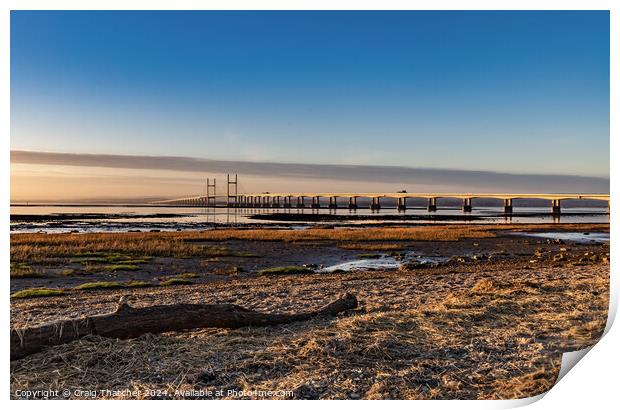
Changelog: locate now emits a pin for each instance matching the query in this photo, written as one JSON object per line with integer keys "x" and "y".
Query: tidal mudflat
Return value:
{"x": 445, "y": 311}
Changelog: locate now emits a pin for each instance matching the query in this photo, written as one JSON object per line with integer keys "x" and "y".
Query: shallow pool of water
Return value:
{"x": 384, "y": 262}
{"x": 583, "y": 237}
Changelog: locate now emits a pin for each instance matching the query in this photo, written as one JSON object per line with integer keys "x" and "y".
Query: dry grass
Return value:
{"x": 102, "y": 246}
{"x": 28, "y": 247}
{"x": 490, "y": 333}
{"x": 373, "y": 246}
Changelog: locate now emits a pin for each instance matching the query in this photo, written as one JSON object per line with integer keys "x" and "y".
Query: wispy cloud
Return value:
{"x": 460, "y": 180}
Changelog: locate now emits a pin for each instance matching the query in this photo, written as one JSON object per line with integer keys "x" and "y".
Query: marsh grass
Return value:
{"x": 112, "y": 285}
{"x": 188, "y": 275}
{"x": 114, "y": 258}
{"x": 175, "y": 281}
{"x": 101, "y": 247}
{"x": 373, "y": 246}
{"x": 40, "y": 247}
{"x": 246, "y": 255}
{"x": 23, "y": 270}
{"x": 285, "y": 270}
{"x": 36, "y": 292}
{"x": 114, "y": 268}
{"x": 70, "y": 272}
{"x": 369, "y": 255}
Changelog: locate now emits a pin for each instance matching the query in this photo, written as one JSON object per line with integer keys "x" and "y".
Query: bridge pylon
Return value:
{"x": 231, "y": 198}
{"x": 210, "y": 193}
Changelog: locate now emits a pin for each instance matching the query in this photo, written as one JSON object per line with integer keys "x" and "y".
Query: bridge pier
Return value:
{"x": 555, "y": 207}
{"x": 316, "y": 202}
{"x": 375, "y": 205}
{"x": 287, "y": 201}
{"x": 401, "y": 204}
{"x": 300, "y": 202}
{"x": 275, "y": 201}
{"x": 353, "y": 202}
{"x": 333, "y": 202}
{"x": 508, "y": 205}
{"x": 467, "y": 205}
{"x": 432, "y": 204}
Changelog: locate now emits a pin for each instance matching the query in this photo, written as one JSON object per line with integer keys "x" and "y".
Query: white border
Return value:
{"x": 593, "y": 383}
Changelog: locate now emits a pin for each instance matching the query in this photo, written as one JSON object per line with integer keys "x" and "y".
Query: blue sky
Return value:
{"x": 516, "y": 92}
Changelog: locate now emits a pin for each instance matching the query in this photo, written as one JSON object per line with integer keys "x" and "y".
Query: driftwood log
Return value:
{"x": 128, "y": 322}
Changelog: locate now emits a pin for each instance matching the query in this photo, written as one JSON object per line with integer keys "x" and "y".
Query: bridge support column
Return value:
{"x": 275, "y": 202}
{"x": 287, "y": 201}
{"x": 467, "y": 205}
{"x": 353, "y": 202}
{"x": 316, "y": 202}
{"x": 432, "y": 204}
{"x": 300, "y": 202}
{"x": 508, "y": 205}
{"x": 555, "y": 207}
{"x": 333, "y": 202}
{"x": 401, "y": 204}
{"x": 375, "y": 205}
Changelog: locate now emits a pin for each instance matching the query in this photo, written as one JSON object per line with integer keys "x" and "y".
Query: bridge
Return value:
{"x": 285, "y": 199}
{"x": 313, "y": 199}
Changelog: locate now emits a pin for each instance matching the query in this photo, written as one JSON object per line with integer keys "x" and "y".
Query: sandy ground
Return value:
{"x": 478, "y": 328}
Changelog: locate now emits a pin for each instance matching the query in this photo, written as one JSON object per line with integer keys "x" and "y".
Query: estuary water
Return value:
{"x": 125, "y": 218}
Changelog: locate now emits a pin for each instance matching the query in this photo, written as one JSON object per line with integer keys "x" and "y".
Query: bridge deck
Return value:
{"x": 397, "y": 195}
